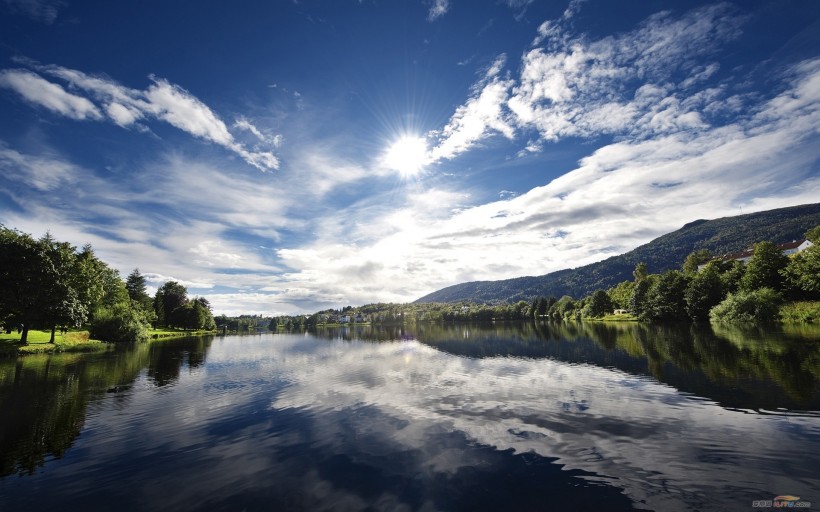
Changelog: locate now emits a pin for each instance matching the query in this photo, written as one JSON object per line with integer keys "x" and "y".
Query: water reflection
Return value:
{"x": 49, "y": 394}
{"x": 741, "y": 367}
{"x": 516, "y": 417}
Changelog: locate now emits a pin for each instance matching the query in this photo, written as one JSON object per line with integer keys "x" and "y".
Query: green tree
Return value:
{"x": 704, "y": 292}
{"x": 666, "y": 297}
{"x": 31, "y": 288}
{"x": 169, "y": 297}
{"x": 760, "y": 305}
{"x": 731, "y": 275}
{"x": 599, "y": 305}
{"x": 119, "y": 323}
{"x": 621, "y": 294}
{"x": 136, "y": 287}
{"x": 695, "y": 259}
{"x": 637, "y": 302}
{"x": 763, "y": 270}
{"x": 802, "y": 273}
{"x": 61, "y": 304}
{"x": 641, "y": 272}
{"x": 813, "y": 235}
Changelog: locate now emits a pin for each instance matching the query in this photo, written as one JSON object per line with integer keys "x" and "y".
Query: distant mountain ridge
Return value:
{"x": 718, "y": 236}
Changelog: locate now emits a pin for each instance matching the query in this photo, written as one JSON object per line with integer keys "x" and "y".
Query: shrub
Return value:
{"x": 801, "y": 312}
{"x": 119, "y": 323}
{"x": 761, "y": 305}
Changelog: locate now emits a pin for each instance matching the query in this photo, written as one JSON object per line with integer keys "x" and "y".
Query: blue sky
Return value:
{"x": 283, "y": 157}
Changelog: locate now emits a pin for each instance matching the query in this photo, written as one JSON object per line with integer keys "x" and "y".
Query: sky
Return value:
{"x": 290, "y": 156}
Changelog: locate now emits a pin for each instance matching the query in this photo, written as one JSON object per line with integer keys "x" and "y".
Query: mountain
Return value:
{"x": 719, "y": 236}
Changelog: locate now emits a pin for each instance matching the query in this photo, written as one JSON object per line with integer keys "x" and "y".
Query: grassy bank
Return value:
{"x": 169, "y": 332}
{"x": 38, "y": 342}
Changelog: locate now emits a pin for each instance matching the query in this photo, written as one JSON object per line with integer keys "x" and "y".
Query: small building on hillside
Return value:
{"x": 789, "y": 248}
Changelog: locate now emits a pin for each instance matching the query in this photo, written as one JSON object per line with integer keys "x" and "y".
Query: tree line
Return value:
{"x": 708, "y": 288}
{"x": 770, "y": 286}
{"x": 47, "y": 284}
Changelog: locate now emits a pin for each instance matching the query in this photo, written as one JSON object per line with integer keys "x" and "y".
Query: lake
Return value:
{"x": 527, "y": 416}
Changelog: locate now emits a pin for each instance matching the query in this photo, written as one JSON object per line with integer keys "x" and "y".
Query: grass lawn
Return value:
{"x": 38, "y": 342}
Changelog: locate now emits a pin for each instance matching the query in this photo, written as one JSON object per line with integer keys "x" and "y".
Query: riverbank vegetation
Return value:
{"x": 50, "y": 285}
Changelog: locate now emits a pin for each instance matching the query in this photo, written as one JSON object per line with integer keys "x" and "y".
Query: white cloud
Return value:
{"x": 45, "y": 11}
{"x": 125, "y": 107}
{"x": 578, "y": 87}
{"x": 41, "y": 92}
{"x": 632, "y": 190}
{"x": 482, "y": 116}
{"x": 438, "y": 9}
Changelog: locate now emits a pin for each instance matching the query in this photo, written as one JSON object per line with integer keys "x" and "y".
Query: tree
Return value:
{"x": 61, "y": 303}
{"x": 34, "y": 282}
{"x": 763, "y": 270}
{"x": 704, "y": 292}
{"x": 760, "y": 305}
{"x": 665, "y": 299}
{"x": 621, "y": 293}
{"x": 813, "y": 235}
{"x": 802, "y": 273}
{"x": 695, "y": 259}
{"x": 169, "y": 297}
{"x": 599, "y": 305}
{"x": 637, "y": 302}
{"x": 135, "y": 285}
{"x": 731, "y": 275}
{"x": 119, "y": 323}
{"x": 641, "y": 272}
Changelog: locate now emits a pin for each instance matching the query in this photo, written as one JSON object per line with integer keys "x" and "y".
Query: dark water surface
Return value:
{"x": 465, "y": 417}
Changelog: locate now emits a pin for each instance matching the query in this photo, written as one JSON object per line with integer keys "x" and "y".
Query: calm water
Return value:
{"x": 517, "y": 417}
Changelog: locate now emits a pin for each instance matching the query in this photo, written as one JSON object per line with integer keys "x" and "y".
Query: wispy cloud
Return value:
{"x": 483, "y": 115}
{"x": 129, "y": 107}
{"x": 438, "y": 9}
{"x": 35, "y": 89}
{"x": 637, "y": 84}
{"x": 44, "y": 11}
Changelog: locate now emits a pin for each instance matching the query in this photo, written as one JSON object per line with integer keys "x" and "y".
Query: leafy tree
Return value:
{"x": 704, "y": 292}
{"x": 763, "y": 270}
{"x": 599, "y": 305}
{"x": 273, "y": 325}
{"x": 641, "y": 272}
{"x": 61, "y": 303}
{"x": 119, "y": 323}
{"x": 760, "y": 305}
{"x": 813, "y": 235}
{"x": 666, "y": 297}
{"x": 731, "y": 275}
{"x": 621, "y": 294}
{"x": 802, "y": 273}
{"x": 30, "y": 284}
{"x": 695, "y": 259}
{"x": 169, "y": 297}
{"x": 135, "y": 285}
{"x": 637, "y": 302}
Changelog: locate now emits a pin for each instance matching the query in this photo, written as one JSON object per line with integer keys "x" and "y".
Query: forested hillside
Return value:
{"x": 718, "y": 236}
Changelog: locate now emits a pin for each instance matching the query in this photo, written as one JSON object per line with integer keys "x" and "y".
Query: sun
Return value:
{"x": 407, "y": 155}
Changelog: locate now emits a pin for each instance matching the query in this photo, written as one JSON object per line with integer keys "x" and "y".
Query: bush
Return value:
{"x": 761, "y": 305}
{"x": 119, "y": 323}
{"x": 801, "y": 312}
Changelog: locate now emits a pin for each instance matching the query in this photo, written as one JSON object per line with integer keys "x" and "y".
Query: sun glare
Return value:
{"x": 407, "y": 155}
